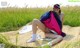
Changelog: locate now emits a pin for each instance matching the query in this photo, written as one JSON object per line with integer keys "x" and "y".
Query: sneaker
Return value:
{"x": 31, "y": 40}
{"x": 45, "y": 46}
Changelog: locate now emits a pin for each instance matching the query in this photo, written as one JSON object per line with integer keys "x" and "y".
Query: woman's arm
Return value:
{"x": 45, "y": 16}
{"x": 62, "y": 20}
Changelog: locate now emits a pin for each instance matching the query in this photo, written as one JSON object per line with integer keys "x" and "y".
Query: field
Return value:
{"x": 12, "y": 19}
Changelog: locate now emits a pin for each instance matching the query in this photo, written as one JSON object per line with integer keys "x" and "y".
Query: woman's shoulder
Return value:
{"x": 46, "y": 13}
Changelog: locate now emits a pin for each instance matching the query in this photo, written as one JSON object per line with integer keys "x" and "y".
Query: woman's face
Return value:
{"x": 56, "y": 10}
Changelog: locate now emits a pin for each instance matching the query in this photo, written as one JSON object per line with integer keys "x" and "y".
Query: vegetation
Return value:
{"x": 14, "y": 18}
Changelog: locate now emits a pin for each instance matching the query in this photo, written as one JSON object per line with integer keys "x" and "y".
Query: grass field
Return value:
{"x": 72, "y": 16}
{"x": 13, "y": 18}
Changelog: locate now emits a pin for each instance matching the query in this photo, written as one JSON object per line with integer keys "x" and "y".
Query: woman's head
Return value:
{"x": 56, "y": 8}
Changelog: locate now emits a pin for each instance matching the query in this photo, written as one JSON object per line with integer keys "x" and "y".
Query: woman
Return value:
{"x": 48, "y": 32}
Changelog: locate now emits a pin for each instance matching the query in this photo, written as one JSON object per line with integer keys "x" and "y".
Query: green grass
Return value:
{"x": 72, "y": 16}
{"x": 14, "y": 18}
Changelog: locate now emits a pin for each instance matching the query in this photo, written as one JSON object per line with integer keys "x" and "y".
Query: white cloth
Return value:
{"x": 25, "y": 29}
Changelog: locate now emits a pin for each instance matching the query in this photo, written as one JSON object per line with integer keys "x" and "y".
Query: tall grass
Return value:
{"x": 14, "y": 18}
{"x": 72, "y": 15}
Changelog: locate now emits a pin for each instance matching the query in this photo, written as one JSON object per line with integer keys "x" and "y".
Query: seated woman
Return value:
{"x": 52, "y": 29}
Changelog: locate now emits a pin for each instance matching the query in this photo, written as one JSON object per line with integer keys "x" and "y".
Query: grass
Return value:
{"x": 6, "y": 43}
{"x": 72, "y": 16}
{"x": 69, "y": 44}
{"x": 14, "y": 18}
{"x": 75, "y": 44}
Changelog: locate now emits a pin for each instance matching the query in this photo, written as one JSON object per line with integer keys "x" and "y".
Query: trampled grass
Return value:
{"x": 6, "y": 44}
{"x": 13, "y": 18}
{"x": 69, "y": 44}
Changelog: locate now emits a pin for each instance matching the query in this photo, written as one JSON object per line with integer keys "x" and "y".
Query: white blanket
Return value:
{"x": 25, "y": 29}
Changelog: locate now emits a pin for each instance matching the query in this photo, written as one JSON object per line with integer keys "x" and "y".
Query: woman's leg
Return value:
{"x": 57, "y": 39}
{"x": 36, "y": 23}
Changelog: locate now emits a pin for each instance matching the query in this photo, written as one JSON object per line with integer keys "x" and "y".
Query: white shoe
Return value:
{"x": 31, "y": 40}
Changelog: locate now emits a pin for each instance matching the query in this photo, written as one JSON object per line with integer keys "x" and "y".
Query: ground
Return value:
{"x": 73, "y": 34}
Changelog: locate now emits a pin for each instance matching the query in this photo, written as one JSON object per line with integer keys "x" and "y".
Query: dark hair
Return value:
{"x": 59, "y": 11}
{"x": 57, "y": 6}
